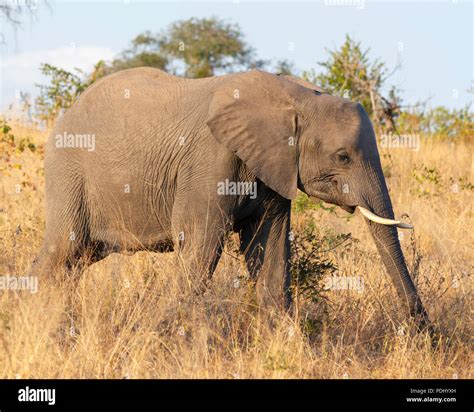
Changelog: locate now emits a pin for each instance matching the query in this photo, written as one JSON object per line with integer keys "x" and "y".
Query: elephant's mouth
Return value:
{"x": 326, "y": 198}
{"x": 365, "y": 212}
{"x": 348, "y": 209}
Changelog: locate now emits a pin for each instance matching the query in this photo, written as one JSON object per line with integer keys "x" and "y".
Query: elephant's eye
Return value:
{"x": 343, "y": 158}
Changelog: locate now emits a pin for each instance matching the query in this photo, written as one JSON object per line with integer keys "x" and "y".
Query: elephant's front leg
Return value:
{"x": 266, "y": 246}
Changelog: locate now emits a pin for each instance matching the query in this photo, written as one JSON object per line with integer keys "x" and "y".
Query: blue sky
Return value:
{"x": 432, "y": 39}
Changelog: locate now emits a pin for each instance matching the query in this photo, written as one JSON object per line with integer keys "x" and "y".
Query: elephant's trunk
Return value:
{"x": 388, "y": 245}
{"x": 386, "y": 240}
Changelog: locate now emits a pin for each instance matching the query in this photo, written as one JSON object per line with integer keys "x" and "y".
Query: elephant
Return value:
{"x": 145, "y": 160}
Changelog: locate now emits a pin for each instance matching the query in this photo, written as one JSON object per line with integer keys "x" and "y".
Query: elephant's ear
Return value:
{"x": 261, "y": 131}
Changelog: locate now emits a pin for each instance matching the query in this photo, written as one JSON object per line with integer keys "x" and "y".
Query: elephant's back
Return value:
{"x": 122, "y": 105}
{"x": 136, "y": 75}
{"x": 129, "y": 90}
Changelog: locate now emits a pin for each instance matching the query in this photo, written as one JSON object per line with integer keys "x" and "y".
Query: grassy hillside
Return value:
{"x": 134, "y": 317}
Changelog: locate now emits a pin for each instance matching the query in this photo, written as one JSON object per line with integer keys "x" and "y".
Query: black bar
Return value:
{"x": 455, "y": 394}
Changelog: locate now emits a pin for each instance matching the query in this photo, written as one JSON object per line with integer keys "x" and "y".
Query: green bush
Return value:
{"x": 310, "y": 266}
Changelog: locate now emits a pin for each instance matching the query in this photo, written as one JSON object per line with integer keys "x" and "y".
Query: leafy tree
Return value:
{"x": 456, "y": 122}
{"x": 144, "y": 52}
{"x": 206, "y": 46}
{"x": 350, "y": 73}
{"x": 60, "y": 94}
{"x": 98, "y": 72}
{"x": 63, "y": 90}
{"x": 194, "y": 48}
{"x": 284, "y": 66}
{"x": 438, "y": 121}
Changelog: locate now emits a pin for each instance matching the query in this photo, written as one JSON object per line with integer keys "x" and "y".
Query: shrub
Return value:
{"x": 310, "y": 266}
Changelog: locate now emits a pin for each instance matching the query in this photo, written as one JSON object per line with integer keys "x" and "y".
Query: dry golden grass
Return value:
{"x": 132, "y": 317}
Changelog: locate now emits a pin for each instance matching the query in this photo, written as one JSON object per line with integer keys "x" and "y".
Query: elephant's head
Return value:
{"x": 293, "y": 135}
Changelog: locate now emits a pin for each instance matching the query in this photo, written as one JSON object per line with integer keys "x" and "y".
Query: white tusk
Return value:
{"x": 377, "y": 219}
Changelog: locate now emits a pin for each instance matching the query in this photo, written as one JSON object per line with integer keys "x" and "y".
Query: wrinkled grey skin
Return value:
{"x": 163, "y": 143}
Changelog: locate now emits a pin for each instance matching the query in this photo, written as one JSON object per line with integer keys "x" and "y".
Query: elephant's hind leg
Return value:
{"x": 67, "y": 235}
